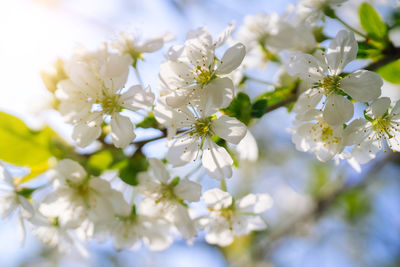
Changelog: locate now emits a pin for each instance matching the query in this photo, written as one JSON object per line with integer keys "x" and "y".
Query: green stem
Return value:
{"x": 351, "y": 28}
{"x": 138, "y": 76}
{"x": 223, "y": 185}
{"x": 259, "y": 80}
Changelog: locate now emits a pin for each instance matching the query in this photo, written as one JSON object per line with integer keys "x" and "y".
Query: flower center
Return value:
{"x": 382, "y": 125}
{"x": 325, "y": 133}
{"x": 202, "y": 127}
{"x": 110, "y": 104}
{"x": 203, "y": 75}
{"x": 330, "y": 84}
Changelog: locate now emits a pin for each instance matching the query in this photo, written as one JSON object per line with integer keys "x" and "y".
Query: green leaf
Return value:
{"x": 278, "y": 95}
{"x": 258, "y": 108}
{"x": 149, "y": 122}
{"x": 22, "y": 146}
{"x": 369, "y": 50}
{"x": 356, "y": 204}
{"x": 371, "y": 22}
{"x": 129, "y": 168}
{"x": 99, "y": 162}
{"x": 391, "y": 72}
{"x": 319, "y": 181}
{"x": 240, "y": 108}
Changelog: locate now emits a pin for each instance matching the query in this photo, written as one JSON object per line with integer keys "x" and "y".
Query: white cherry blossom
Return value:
{"x": 370, "y": 135}
{"x": 312, "y": 11}
{"x": 130, "y": 44}
{"x": 323, "y": 71}
{"x": 192, "y": 69}
{"x": 79, "y": 200}
{"x": 198, "y": 126}
{"x": 12, "y": 200}
{"x": 167, "y": 196}
{"x": 130, "y": 230}
{"x": 270, "y": 34}
{"x": 228, "y": 218}
{"x": 318, "y": 137}
{"x": 95, "y": 91}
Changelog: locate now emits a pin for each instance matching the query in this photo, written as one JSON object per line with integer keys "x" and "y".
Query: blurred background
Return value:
{"x": 323, "y": 215}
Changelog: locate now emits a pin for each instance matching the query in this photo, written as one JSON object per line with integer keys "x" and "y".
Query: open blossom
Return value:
{"x": 94, "y": 91}
{"x": 192, "y": 69}
{"x": 370, "y": 135}
{"x": 12, "y": 200}
{"x": 324, "y": 72}
{"x": 166, "y": 196}
{"x": 271, "y": 34}
{"x": 312, "y": 11}
{"x": 198, "y": 125}
{"x": 318, "y": 137}
{"x": 130, "y": 44}
{"x": 49, "y": 231}
{"x": 228, "y": 218}
{"x": 131, "y": 229}
{"x": 79, "y": 200}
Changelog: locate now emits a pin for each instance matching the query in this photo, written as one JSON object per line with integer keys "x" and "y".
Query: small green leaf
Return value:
{"x": 371, "y": 22}
{"x": 391, "y": 72}
{"x": 258, "y": 108}
{"x": 356, "y": 204}
{"x": 149, "y": 122}
{"x": 278, "y": 95}
{"x": 129, "y": 168}
{"x": 240, "y": 108}
{"x": 99, "y": 162}
{"x": 369, "y": 50}
{"x": 22, "y": 146}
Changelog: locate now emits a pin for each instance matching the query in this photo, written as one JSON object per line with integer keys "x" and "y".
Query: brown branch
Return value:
{"x": 323, "y": 204}
{"x": 391, "y": 54}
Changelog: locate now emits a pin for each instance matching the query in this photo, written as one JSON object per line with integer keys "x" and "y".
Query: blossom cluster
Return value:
{"x": 196, "y": 87}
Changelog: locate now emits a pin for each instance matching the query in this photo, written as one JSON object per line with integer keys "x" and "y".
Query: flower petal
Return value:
{"x": 229, "y": 128}
{"x": 121, "y": 130}
{"x": 184, "y": 150}
{"x": 217, "y": 199}
{"x": 217, "y": 161}
{"x": 159, "y": 170}
{"x": 378, "y": 107}
{"x": 216, "y": 95}
{"x": 341, "y": 51}
{"x": 232, "y": 59}
{"x": 255, "y": 203}
{"x": 338, "y": 110}
{"x": 307, "y": 67}
{"x": 84, "y": 134}
{"x": 224, "y": 35}
{"x": 188, "y": 190}
{"x": 362, "y": 85}
{"x": 137, "y": 98}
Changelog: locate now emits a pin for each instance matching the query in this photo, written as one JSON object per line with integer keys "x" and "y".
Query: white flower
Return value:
{"x": 166, "y": 196}
{"x": 271, "y": 34}
{"x": 129, "y": 230}
{"x": 49, "y": 231}
{"x": 312, "y": 11}
{"x": 94, "y": 91}
{"x": 318, "y": 137}
{"x": 199, "y": 125}
{"x": 12, "y": 200}
{"x": 247, "y": 148}
{"x": 228, "y": 218}
{"x": 129, "y": 44}
{"x": 369, "y": 135}
{"x": 80, "y": 200}
{"x": 192, "y": 69}
{"x": 323, "y": 70}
